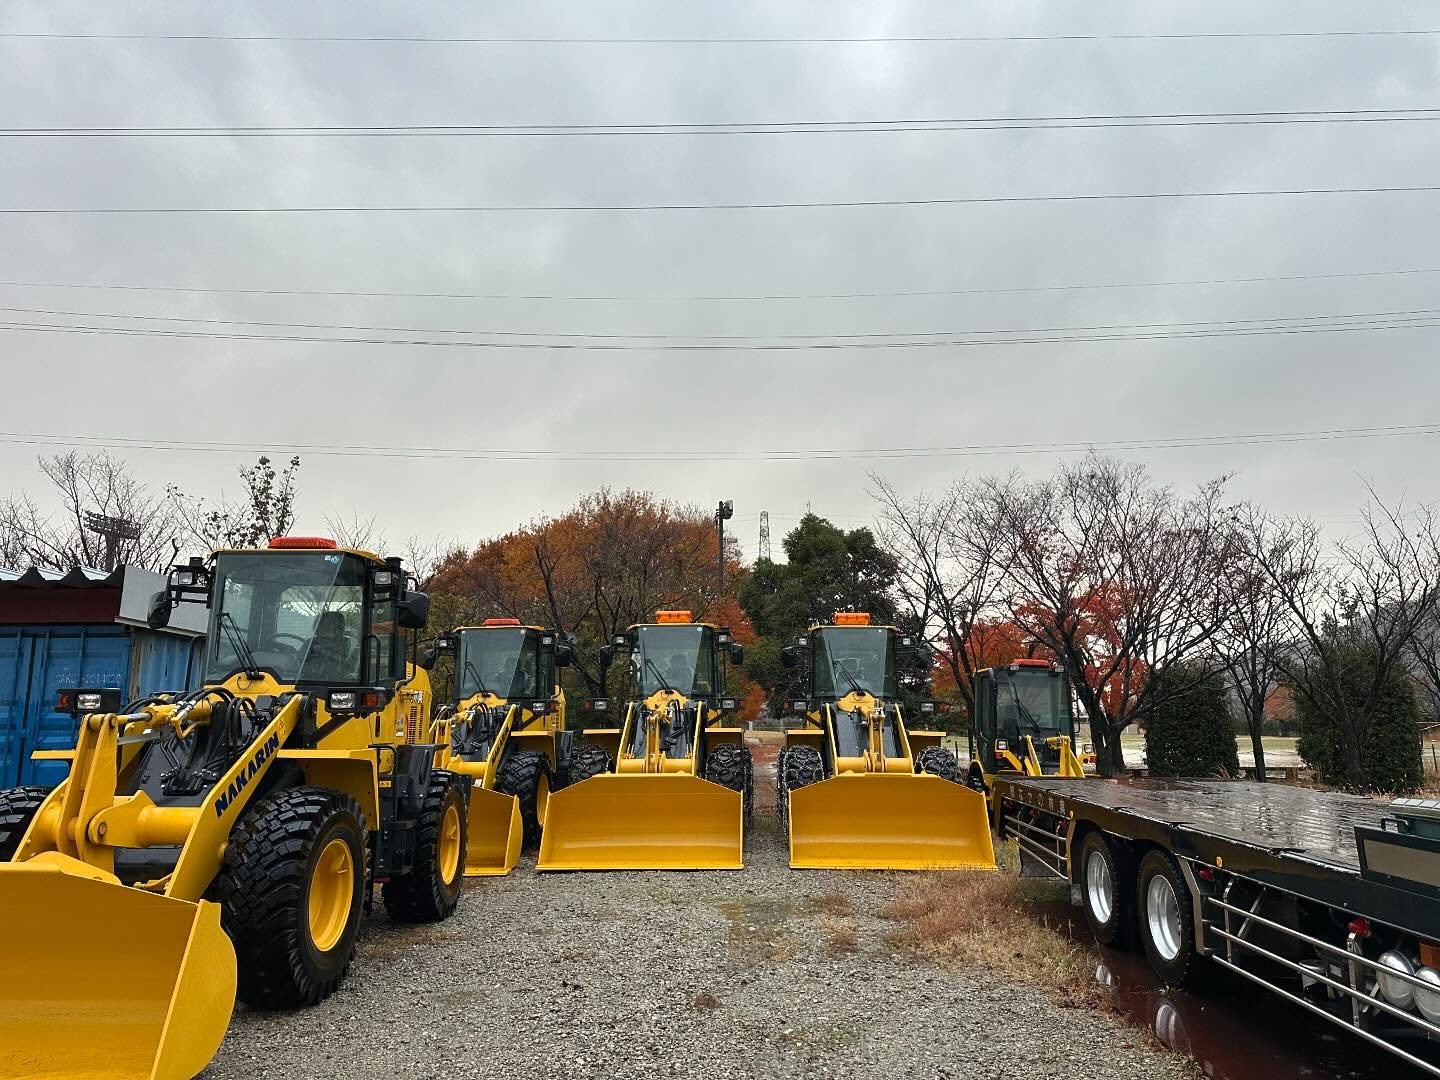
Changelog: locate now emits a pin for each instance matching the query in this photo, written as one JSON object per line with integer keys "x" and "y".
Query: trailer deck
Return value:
{"x": 1330, "y": 900}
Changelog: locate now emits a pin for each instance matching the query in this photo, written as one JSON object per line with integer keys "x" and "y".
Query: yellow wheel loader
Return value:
{"x": 857, "y": 786}
{"x": 671, "y": 787}
{"x": 1023, "y": 723}
{"x": 223, "y": 843}
{"x": 504, "y": 733}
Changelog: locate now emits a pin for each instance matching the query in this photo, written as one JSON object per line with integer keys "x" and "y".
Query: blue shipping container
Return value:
{"x": 37, "y": 661}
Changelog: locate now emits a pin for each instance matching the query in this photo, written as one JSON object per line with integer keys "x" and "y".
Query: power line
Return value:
{"x": 979, "y": 200}
{"x": 1410, "y": 314}
{"x": 781, "y": 127}
{"x": 893, "y": 39}
{"x": 807, "y": 454}
{"x": 723, "y": 297}
{"x": 756, "y": 347}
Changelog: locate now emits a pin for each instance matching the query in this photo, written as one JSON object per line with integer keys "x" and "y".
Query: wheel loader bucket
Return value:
{"x": 493, "y": 834}
{"x": 889, "y": 821}
{"x": 107, "y": 982}
{"x": 644, "y": 821}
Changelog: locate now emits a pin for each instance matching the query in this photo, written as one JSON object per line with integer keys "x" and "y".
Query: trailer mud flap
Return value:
{"x": 494, "y": 833}
{"x": 889, "y": 821}
{"x": 646, "y": 821}
{"x": 107, "y": 982}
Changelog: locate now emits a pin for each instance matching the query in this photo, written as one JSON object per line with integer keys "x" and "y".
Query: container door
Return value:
{"x": 165, "y": 663}
{"x": 91, "y": 656}
{"x": 14, "y": 678}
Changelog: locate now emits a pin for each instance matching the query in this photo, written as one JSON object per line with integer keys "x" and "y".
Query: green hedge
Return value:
{"x": 1191, "y": 731}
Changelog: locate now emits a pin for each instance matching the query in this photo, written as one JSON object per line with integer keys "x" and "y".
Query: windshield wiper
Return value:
{"x": 237, "y": 642}
{"x": 843, "y": 670}
{"x": 656, "y": 669}
{"x": 479, "y": 682}
{"x": 1025, "y": 713}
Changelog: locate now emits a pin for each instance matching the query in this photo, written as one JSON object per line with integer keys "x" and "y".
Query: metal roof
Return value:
{"x": 81, "y": 577}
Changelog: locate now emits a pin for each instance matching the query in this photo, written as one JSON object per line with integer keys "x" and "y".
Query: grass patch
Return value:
{"x": 831, "y": 904}
{"x": 1000, "y": 923}
{"x": 704, "y": 1002}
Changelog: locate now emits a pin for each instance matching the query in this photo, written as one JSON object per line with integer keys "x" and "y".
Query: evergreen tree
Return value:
{"x": 1190, "y": 732}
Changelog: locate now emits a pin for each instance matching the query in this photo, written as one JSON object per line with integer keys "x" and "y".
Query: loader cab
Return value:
{"x": 676, "y": 654}
{"x": 503, "y": 661}
{"x": 851, "y": 656}
{"x": 1025, "y": 698}
{"x": 305, "y": 613}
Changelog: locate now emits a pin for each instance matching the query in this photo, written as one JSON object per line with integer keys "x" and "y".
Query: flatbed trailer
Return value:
{"x": 1331, "y": 901}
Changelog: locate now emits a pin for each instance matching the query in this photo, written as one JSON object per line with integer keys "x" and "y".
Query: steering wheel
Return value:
{"x": 298, "y": 648}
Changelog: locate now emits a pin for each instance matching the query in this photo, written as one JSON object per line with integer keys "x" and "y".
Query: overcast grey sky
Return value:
{"x": 274, "y": 394}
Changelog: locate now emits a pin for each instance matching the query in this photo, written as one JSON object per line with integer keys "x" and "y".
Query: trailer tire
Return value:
{"x": 937, "y": 761}
{"x": 430, "y": 891}
{"x": 589, "y": 759}
{"x": 800, "y": 767}
{"x": 18, "y": 807}
{"x": 1166, "y": 917}
{"x": 290, "y": 951}
{"x": 1105, "y": 888}
{"x": 526, "y": 775}
{"x": 732, "y": 767}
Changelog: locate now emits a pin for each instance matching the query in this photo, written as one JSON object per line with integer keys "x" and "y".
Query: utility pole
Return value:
{"x": 764, "y": 550}
{"x": 723, "y": 513}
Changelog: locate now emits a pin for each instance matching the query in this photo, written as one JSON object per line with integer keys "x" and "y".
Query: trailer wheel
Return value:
{"x": 1105, "y": 888}
{"x": 526, "y": 775}
{"x": 731, "y": 766}
{"x": 589, "y": 759}
{"x": 18, "y": 807}
{"x": 800, "y": 767}
{"x": 430, "y": 891}
{"x": 290, "y": 891}
{"x": 937, "y": 761}
{"x": 1166, "y": 917}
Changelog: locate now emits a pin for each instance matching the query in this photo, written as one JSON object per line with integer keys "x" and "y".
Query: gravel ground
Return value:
{"x": 768, "y": 972}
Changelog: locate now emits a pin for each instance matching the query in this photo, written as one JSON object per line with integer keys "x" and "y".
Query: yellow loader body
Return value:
{"x": 108, "y": 982}
{"x": 644, "y": 821}
{"x": 889, "y": 821}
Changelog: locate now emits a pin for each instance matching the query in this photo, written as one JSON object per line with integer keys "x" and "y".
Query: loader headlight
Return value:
{"x": 1398, "y": 992}
{"x": 341, "y": 701}
{"x": 1001, "y": 745}
{"x": 927, "y": 706}
{"x": 728, "y": 703}
{"x": 88, "y": 701}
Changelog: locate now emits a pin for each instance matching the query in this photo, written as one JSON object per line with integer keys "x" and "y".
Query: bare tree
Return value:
{"x": 1249, "y": 642}
{"x": 355, "y": 532}
{"x": 1377, "y": 591}
{"x": 952, "y": 561}
{"x": 1425, "y": 654}
{"x": 266, "y": 510}
{"x": 1119, "y": 579}
{"x": 106, "y": 518}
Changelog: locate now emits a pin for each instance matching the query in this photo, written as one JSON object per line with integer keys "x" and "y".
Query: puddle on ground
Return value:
{"x": 1233, "y": 1029}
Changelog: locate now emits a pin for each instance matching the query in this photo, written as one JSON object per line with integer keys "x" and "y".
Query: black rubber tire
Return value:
{"x": 937, "y": 761}
{"x": 1115, "y": 928}
{"x": 802, "y": 766}
{"x": 521, "y": 774}
{"x": 425, "y": 895}
{"x": 782, "y": 797}
{"x": 1180, "y": 969}
{"x": 263, "y": 888}
{"x": 975, "y": 779}
{"x": 17, "y": 809}
{"x": 731, "y": 766}
{"x": 587, "y": 760}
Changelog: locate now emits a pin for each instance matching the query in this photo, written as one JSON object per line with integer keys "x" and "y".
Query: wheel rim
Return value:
{"x": 542, "y": 797}
{"x": 1099, "y": 886}
{"x": 1162, "y": 915}
{"x": 332, "y": 889}
{"x": 450, "y": 843}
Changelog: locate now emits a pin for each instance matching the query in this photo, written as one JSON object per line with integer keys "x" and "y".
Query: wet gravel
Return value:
{"x": 767, "y": 972}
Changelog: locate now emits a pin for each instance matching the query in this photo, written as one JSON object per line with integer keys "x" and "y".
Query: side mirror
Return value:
{"x": 607, "y": 654}
{"x": 789, "y": 657}
{"x": 414, "y": 610}
{"x": 737, "y": 653}
{"x": 564, "y": 654}
{"x": 158, "y": 616}
{"x": 427, "y": 659}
